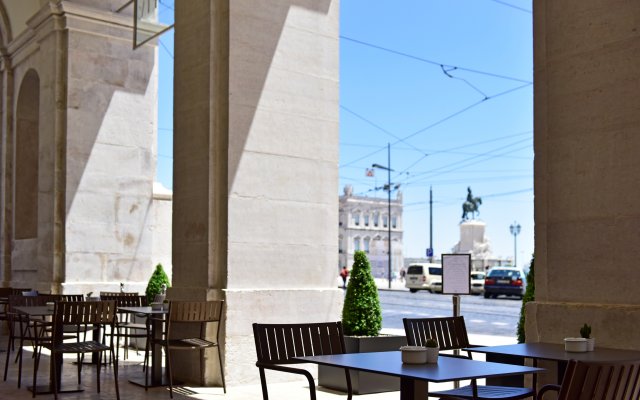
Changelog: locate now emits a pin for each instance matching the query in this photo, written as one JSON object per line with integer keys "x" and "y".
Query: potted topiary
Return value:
{"x": 362, "y": 321}
{"x": 158, "y": 283}
{"x": 433, "y": 350}
{"x": 585, "y": 332}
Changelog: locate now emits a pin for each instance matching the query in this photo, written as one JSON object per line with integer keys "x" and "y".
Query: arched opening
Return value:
{"x": 26, "y": 157}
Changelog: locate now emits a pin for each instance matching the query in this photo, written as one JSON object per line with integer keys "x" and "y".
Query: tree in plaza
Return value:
{"x": 361, "y": 313}
{"x": 529, "y": 295}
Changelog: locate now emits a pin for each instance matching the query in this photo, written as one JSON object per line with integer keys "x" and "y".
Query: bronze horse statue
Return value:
{"x": 471, "y": 205}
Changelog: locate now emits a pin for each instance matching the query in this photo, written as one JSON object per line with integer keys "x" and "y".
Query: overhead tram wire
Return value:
{"x": 467, "y": 162}
{"x": 440, "y": 64}
{"x": 504, "y": 3}
{"x": 448, "y": 117}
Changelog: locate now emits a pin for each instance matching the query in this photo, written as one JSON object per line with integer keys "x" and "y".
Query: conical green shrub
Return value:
{"x": 361, "y": 313}
{"x": 158, "y": 278}
{"x": 529, "y": 295}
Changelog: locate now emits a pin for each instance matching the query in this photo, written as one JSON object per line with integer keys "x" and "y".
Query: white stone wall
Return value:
{"x": 110, "y": 141}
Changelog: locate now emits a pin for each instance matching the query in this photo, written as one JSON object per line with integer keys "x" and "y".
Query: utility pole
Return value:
{"x": 431, "y": 223}
{"x": 388, "y": 169}
{"x": 515, "y": 230}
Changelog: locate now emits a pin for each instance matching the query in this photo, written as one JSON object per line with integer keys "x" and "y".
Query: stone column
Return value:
{"x": 255, "y": 167}
{"x": 587, "y": 180}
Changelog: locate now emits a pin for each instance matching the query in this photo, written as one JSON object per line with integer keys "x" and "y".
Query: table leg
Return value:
{"x": 411, "y": 389}
{"x": 158, "y": 377}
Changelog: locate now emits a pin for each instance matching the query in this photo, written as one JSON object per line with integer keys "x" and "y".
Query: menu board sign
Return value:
{"x": 456, "y": 273}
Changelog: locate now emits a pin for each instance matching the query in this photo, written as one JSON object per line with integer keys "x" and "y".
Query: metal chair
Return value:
{"x": 451, "y": 334}
{"x": 191, "y": 312}
{"x": 597, "y": 380}
{"x": 24, "y": 330}
{"x": 125, "y": 328}
{"x": 79, "y": 314}
{"x": 278, "y": 344}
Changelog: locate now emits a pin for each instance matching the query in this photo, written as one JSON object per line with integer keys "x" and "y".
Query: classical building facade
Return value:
{"x": 364, "y": 225}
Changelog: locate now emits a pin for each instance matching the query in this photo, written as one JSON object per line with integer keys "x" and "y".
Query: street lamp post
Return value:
{"x": 388, "y": 169}
{"x": 515, "y": 230}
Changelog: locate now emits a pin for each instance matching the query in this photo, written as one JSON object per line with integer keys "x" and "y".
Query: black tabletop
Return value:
{"x": 447, "y": 368}
{"x": 556, "y": 352}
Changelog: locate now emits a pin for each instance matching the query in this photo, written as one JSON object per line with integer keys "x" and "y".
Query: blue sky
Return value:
{"x": 449, "y": 84}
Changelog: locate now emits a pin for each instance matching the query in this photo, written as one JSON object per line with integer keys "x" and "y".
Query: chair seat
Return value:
{"x": 191, "y": 343}
{"x": 80, "y": 347}
{"x": 486, "y": 392}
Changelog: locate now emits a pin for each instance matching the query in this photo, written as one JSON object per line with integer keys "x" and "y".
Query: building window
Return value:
{"x": 356, "y": 244}
{"x": 394, "y": 222}
{"x": 376, "y": 217}
{"x": 356, "y": 219}
{"x": 366, "y": 220}
{"x": 366, "y": 244}
{"x": 384, "y": 220}
{"x": 340, "y": 245}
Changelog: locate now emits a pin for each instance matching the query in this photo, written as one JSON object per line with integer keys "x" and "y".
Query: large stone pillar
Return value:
{"x": 587, "y": 171}
{"x": 255, "y": 213}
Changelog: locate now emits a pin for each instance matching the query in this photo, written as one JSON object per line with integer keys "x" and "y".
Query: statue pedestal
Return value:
{"x": 470, "y": 232}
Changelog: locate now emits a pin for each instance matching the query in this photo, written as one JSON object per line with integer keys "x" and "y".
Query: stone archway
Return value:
{"x": 26, "y": 158}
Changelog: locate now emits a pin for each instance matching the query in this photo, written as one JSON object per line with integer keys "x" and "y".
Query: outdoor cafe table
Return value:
{"x": 157, "y": 377}
{"x": 555, "y": 352}
{"x": 414, "y": 378}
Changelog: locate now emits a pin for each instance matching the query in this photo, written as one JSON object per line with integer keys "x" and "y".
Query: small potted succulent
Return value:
{"x": 585, "y": 333}
{"x": 432, "y": 351}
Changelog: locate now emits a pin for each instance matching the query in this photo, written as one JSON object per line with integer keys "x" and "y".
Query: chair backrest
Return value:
{"x": 8, "y": 291}
{"x": 70, "y": 297}
{"x": 195, "y": 311}
{"x": 599, "y": 380}
{"x": 120, "y": 294}
{"x": 82, "y": 313}
{"x": 279, "y": 343}
{"x": 449, "y": 332}
{"x": 26, "y": 301}
{"x": 126, "y": 300}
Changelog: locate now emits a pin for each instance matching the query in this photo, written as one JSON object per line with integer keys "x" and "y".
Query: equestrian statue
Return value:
{"x": 470, "y": 206}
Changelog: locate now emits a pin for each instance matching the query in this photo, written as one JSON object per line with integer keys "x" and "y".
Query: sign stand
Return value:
{"x": 456, "y": 280}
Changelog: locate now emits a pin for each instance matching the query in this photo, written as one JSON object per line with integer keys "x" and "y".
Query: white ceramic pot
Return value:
{"x": 591, "y": 344}
{"x": 432, "y": 355}
{"x": 414, "y": 354}
{"x": 575, "y": 345}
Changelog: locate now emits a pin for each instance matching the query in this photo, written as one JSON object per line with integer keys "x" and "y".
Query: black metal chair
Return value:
{"x": 597, "y": 380}
{"x": 191, "y": 312}
{"x": 79, "y": 314}
{"x": 278, "y": 344}
{"x": 451, "y": 334}
{"x": 23, "y": 330}
{"x": 125, "y": 327}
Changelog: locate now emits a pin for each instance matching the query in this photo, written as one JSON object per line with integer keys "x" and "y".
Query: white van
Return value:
{"x": 424, "y": 276}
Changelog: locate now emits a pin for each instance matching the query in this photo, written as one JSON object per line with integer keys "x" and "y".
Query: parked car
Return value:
{"x": 424, "y": 276}
{"x": 477, "y": 282}
{"x": 509, "y": 281}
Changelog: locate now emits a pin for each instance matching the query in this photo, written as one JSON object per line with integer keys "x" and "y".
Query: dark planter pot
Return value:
{"x": 363, "y": 382}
